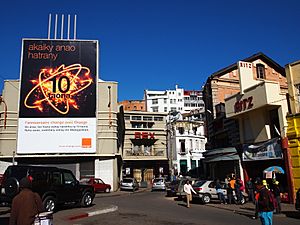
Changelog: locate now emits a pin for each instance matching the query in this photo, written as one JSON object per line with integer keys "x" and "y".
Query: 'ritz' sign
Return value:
{"x": 243, "y": 104}
{"x": 143, "y": 135}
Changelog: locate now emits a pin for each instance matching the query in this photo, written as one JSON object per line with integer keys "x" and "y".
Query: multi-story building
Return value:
{"x": 178, "y": 100}
{"x": 105, "y": 162}
{"x": 186, "y": 144}
{"x": 293, "y": 120}
{"x": 145, "y": 145}
{"x": 252, "y": 94}
{"x": 133, "y": 105}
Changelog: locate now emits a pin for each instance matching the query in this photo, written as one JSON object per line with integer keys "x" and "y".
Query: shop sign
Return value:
{"x": 270, "y": 149}
{"x": 243, "y": 104}
{"x": 143, "y": 135}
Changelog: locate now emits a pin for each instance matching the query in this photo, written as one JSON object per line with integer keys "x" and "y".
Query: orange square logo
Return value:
{"x": 86, "y": 142}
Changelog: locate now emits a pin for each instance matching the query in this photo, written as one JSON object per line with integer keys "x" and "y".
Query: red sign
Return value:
{"x": 243, "y": 105}
{"x": 143, "y": 135}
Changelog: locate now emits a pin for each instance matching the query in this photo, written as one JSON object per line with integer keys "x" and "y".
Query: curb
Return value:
{"x": 94, "y": 213}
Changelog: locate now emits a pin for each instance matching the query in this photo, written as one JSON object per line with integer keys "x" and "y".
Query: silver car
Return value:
{"x": 159, "y": 184}
{"x": 206, "y": 191}
{"x": 129, "y": 184}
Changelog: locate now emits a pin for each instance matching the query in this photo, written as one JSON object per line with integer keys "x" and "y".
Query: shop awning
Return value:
{"x": 219, "y": 151}
{"x": 228, "y": 157}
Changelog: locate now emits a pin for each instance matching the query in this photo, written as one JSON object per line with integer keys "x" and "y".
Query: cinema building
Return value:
{"x": 59, "y": 113}
{"x": 145, "y": 145}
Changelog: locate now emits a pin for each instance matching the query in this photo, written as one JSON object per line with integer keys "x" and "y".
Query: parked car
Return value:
{"x": 97, "y": 183}
{"x": 297, "y": 203}
{"x": 129, "y": 184}
{"x": 172, "y": 188}
{"x": 159, "y": 184}
{"x": 206, "y": 191}
{"x": 55, "y": 186}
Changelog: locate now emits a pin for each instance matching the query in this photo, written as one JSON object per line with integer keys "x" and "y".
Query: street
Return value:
{"x": 153, "y": 208}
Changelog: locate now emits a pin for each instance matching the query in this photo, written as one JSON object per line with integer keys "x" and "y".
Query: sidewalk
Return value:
{"x": 248, "y": 208}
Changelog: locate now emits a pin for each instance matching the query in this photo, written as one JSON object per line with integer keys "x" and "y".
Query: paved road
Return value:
{"x": 153, "y": 208}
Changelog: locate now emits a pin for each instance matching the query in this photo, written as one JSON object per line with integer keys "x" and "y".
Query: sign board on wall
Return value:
{"x": 57, "y": 109}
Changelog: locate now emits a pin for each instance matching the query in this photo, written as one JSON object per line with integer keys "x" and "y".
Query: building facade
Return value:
{"x": 104, "y": 163}
{"x": 145, "y": 145}
{"x": 133, "y": 105}
{"x": 241, "y": 109}
{"x": 186, "y": 144}
{"x": 293, "y": 119}
{"x": 178, "y": 100}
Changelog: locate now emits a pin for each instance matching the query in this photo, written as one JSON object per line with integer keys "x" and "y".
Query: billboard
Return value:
{"x": 57, "y": 108}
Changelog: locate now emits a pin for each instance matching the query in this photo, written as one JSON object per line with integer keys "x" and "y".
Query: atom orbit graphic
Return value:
{"x": 59, "y": 89}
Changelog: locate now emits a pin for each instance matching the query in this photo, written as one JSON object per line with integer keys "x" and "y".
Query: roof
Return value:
{"x": 252, "y": 58}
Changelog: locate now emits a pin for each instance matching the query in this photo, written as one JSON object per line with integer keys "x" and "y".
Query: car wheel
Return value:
{"x": 107, "y": 190}
{"x": 87, "y": 199}
{"x": 206, "y": 199}
{"x": 49, "y": 203}
{"x": 11, "y": 187}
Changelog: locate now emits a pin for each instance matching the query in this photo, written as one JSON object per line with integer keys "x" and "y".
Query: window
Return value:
{"x": 136, "y": 118}
{"x": 181, "y": 130}
{"x": 165, "y": 101}
{"x": 173, "y": 109}
{"x": 147, "y": 118}
{"x": 297, "y": 91}
{"x": 165, "y": 109}
{"x": 158, "y": 118}
{"x": 195, "y": 130}
{"x": 182, "y": 146}
{"x": 155, "y": 109}
{"x": 69, "y": 178}
{"x": 193, "y": 164}
{"x": 154, "y": 101}
{"x": 191, "y": 144}
{"x": 56, "y": 178}
{"x": 127, "y": 117}
{"x": 260, "y": 70}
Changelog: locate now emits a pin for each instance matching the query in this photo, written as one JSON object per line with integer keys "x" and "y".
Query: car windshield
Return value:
{"x": 127, "y": 181}
{"x": 199, "y": 183}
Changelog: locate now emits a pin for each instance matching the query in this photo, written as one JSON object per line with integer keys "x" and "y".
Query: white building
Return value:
{"x": 178, "y": 100}
{"x": 186, "y": 143}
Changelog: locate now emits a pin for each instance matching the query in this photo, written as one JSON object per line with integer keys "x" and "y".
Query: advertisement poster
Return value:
{"x": 57, "y": 108}
{"x": 270, "y": 149}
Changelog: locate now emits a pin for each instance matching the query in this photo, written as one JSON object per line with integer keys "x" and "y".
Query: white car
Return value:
{"x": 129, "y": 184}
{"x": 206, "y": 191}
{"x": 159, "y": 184}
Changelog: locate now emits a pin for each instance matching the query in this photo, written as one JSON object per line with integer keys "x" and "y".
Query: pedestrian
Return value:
{"x": 220, "y": 192}
{"x": 229, "y": 193}
{"x": 265, "y": 203}
{"x": 188, "y": 189}
{"x": 250, "y": 189}
{"x": 25, "y": 205}
{"x": 238, "y": 190}
{"x": 276, "y": 191}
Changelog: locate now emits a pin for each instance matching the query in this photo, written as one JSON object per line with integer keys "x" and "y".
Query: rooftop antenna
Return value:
{"x": 62, "y": 27}
{"x": 49, "y": 26}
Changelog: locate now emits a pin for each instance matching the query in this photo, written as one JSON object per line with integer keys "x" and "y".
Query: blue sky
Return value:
{"x": 156, "y": 44}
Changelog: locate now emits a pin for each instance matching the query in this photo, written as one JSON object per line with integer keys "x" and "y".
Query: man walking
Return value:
{"x": 25, "y": 205}
{"x": 188, "y": 189}
{"x": 265, "y": 203}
